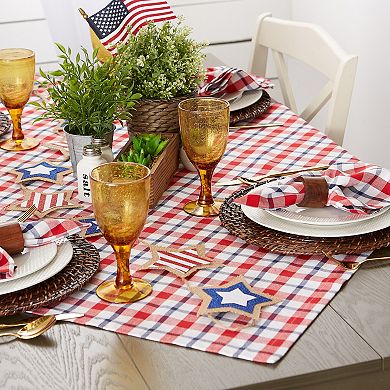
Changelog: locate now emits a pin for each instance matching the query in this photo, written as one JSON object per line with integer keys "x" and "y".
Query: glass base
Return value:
{"x": 193, "y": 208}
{"x": 110, "y": 293}
{"x": 25, "y": 144}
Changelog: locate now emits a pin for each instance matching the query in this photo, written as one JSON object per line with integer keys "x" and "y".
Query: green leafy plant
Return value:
{"x": 164, "y": 61}
{"x": 87, "y": 94}
{"x": 145, "y": 149}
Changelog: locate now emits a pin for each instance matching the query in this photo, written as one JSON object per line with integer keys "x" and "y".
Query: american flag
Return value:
{"x": 111, "y": 23}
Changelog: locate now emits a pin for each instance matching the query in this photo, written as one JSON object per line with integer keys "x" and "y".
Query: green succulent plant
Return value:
{"x": 145, "y": 148}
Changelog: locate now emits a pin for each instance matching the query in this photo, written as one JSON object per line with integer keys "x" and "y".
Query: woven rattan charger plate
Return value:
{"x": 234, "y": 220}
{"x": 5, "y": 124}
{"x": 84, "y": 264}
{"x": 252, "y": 111}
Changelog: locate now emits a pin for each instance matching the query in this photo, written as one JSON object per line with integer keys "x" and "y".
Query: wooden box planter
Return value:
{"x": 163, "y": 168}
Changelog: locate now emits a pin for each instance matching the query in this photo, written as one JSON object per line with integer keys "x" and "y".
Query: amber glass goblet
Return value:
{"x": 17, "y": 68}
{"x": 204, "y": 128}
{"x": 120, "y": 198}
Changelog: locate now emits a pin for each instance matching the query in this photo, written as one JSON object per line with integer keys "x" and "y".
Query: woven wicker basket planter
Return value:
{"x": 156, "y": 116}
{"x": 163, "y": 168}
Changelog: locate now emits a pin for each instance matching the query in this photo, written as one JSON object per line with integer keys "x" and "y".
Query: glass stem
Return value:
{"x": 16, "y": 117}
{"x": 205, "y": 196}
{"x": 123, "y": 276}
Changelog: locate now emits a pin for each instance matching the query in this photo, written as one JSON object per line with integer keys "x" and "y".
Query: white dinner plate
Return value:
{"x": 230, "y": 97}
{"x": 32, "y": 260}
{"x": 61, "y": 259}
{"x": 322, "y": 216}
{"x": 268, "y": 220}
{"x": 247, "y": 99}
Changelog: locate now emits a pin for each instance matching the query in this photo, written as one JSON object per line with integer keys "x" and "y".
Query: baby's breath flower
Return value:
{"x": 165, "y": 61}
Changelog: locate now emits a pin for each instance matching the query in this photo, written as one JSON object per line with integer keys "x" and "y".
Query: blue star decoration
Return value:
{"x": 236, "y": 296}
{"x": 44, "y": 170}
{"x": 93, "y": 228}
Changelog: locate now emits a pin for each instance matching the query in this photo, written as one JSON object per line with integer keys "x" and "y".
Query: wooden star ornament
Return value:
{"x": 182, "y": 262}
{"x": 60, "y": 146}
{"x": 44, "y": 202}
{"x": 44, "y": 170}
{"x": 236, "y": 296}
{"x": 93, "y": 229}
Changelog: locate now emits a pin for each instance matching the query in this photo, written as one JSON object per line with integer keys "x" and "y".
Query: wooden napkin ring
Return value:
{"x": 11, "y": 238}
{"x": 316, "y": 191}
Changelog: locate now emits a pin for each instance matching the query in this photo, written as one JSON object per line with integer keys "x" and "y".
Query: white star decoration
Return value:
{"x": 43, "y": 170}
{"x": 237, "y": 296}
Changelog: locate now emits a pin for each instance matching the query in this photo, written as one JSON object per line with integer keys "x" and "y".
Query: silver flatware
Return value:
{"x": 257, "y": 179}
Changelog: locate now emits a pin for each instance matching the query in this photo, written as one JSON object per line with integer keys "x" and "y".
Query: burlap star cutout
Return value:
{"x": 93, "y": 228}
{"x": 236, "y": 296}
{"x": 45, "y": 203}
{"x": 61, "y": 146}
{"x": 44, "y": 170}
{"x": 182, "y": 262}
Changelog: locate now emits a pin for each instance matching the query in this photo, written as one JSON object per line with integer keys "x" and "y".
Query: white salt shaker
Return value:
{"x": 92, "y": 157}
{"x": 105, "y": 148}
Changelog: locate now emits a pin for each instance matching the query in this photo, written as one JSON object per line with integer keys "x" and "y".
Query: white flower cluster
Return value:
{"x": 165, "y": 61}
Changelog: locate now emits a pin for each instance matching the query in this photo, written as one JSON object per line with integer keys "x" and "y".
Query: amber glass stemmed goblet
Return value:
{"x": 204, "y": 129}
{"x": 120, "y": 198}
{"x": 17, "y": 68}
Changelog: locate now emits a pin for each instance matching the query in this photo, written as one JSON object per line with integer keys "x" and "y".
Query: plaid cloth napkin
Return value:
{"x": 222, "y": 79}
{"x": 45, "y": 231}
{"x": 7, "y": 265}
{"x": 38, "y": 233}
{"x": 354, "y": 187}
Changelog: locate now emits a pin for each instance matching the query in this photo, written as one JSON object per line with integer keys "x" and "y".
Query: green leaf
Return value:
{"x": 60, "y": 47}
{"x": 56, "y": 73}
{"x": 161, "y": 147}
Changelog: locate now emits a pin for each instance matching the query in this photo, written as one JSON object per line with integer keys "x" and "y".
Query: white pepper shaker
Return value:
{"x": 92, "y": 157}
{"x": 104, "y": 146}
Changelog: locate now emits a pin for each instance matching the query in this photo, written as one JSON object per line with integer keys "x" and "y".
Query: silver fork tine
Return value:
{"x": 27, "y": 214}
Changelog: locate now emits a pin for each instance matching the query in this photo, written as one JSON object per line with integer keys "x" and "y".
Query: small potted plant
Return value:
{"x": 165, "y": 67}
{"x": 89, "y": 96}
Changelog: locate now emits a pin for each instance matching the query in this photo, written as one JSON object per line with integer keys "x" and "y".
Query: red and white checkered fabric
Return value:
{"x": 353, "y": 186}
{"x": 223, "y": 79}
{"x": 45, "y": 231}
{"x": 305, "y": 283}
{"x": 7, "y": 265}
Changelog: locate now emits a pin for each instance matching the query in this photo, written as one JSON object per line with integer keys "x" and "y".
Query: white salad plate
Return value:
{"x": 32, "y": 260}
{"x": 247, "y": 99}
{"x": 60, "y": 260}
{"x": 264, "y": 218}
{"x": 322, "y": 216}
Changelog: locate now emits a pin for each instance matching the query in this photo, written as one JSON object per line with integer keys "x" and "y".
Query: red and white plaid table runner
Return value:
{"x": 305, "y": 283}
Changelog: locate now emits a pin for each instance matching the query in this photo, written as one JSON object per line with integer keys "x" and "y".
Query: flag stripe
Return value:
{"x": 171, "y": 264}
{"x": 188, "y": 258}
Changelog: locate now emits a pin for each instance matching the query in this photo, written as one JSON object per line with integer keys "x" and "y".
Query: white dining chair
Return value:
{"x": 309, "y": 44}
